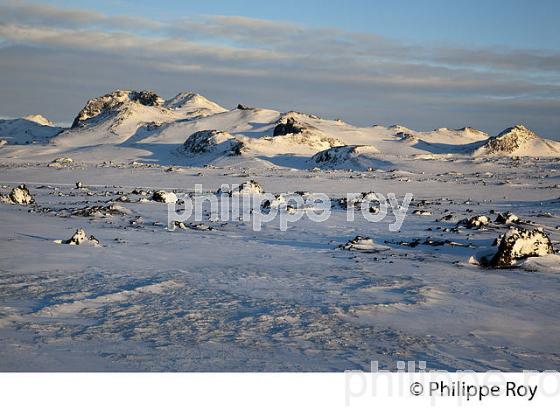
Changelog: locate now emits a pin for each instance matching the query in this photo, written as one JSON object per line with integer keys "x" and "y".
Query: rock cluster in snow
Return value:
{"x": 363, "y": 244}
{"x": 248, "y": 188}
{"x": 477, "y": 221}
{"x": 61, "y": 162}
{"x": 193, "y": 226}
{"x": 278, "y": 201}
{"x": 101, "y": 210}
{"x": 80, "y": 237}
{"x": 421, "y": 212}
{"x": 507, "y": 218}
{"x": 208, "y": 141}
{"x": 287, "y": 125}
{"x": 165, "y": 197}
{"x": 359, "y": 199}
{"x": 20, "y": 195}
{"x": 517, "y": 244}
{"x": 115, "y": 99}
{"x": 302, "y": 133}
{"x": 342, "y": 154}
{"x": 407, "y": 137}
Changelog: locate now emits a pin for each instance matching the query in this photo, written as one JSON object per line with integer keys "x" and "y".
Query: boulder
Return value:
{"x": 363, "y": 244}
{"x": 507, "y": 218}
{"x": 477, "y": 221}
{"x": 165, "y": 197}
{"x": 288, "y": 125}
{"x": 248, "y": 188}
{"x": 20, "y": 195}
{"x": 80, "y": 237}
{"x": 518, "y": 244}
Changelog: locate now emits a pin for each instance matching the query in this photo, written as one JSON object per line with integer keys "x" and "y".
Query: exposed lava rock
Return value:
{"x": 248, "y": 188}
{"x": 477, "y": 221}
{"x": 507, "y": 218}
{"x": 208, "y": 141}
{"x": 80, "y": 237}
{"x": 165, "y": 197}
{"x": 20, "y": 195}
{"x": 108, "y": 102}
{"x": 362, "y": 244}
{"x": 288, "y": 126}
{"x": 517, "y": 244}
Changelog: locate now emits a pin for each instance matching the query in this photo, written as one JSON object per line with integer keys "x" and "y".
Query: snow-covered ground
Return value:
{"x": 231, "y": 298}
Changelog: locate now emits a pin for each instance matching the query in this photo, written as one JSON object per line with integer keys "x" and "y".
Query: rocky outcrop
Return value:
{"x": 20, "y": 195}
{"x": 80, "y": 237}
{"x": 363, "y": 244}
{"x": 207, "y": 141}
{"x": 165, "y": 197}
{"x": 518, "y": 141}
{"x": 61, "y": 162}
{"x": 507, "y": 218}
{"x": 113, "y": 100}
{"x": 275, "y": 203}
{"x": 475, "y": 222}
{"x": 288, "y": 125}
{"x": 407, "y": 137}
{"x": 341, "y": 154}
{"x": 298, "y": 132}
{"x": 517, "y": 244}
{"x": 251, "y": 187}
{"x": 509, "y": 140}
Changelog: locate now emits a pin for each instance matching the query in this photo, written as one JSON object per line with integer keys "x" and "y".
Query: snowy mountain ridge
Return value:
{"x": 126, "y": 125}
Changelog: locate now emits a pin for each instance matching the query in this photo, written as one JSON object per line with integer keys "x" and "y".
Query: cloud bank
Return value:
{"x": 53, "y": 59}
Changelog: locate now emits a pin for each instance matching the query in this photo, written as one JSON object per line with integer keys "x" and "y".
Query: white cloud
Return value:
{"x": 235, "y": 49}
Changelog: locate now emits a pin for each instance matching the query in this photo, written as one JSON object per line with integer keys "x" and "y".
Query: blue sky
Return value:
{"x": 426, "y": 64}
{"x": 516, "y": 23}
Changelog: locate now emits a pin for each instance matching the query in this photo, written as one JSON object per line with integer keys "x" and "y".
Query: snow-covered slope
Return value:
{"x": 115, "y": 117}
{"x": 519, "y": 141}
{"x": 348, "y": 157}
{"x": 193, "y": 105}
{"x": 129, "y": 125}
{"x": 27, "y": 130}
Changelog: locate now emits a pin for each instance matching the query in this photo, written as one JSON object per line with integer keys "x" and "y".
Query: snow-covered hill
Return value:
{"x": 519, "y": 141}
{"x": 348, "y": 157}
{"x": 193, "y": 105}
{"x": 93, "y": 278}
{"x": 27, "y": 130}
{"x": 127, "y": 125}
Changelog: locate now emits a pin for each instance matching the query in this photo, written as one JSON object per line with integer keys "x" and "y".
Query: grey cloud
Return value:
{"x": 40, "y": 14}
{"x": 357, "y": 76}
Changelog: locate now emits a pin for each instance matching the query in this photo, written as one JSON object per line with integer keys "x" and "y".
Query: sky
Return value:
{"x": 423, "y": 64}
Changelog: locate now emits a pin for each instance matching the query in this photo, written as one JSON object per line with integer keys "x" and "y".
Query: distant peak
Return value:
{"x": 397, "y": 128}
{"x": 184, "y": 97}
{"x": 110, "y": 101}
{"x": 189, "y": 101}
{"x": 471, "y": 130}
{"x": 521, "y": 127}
{"x": 39, "y": 119}
{"x": 517, "y": 129}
